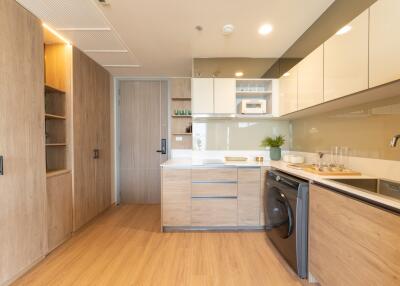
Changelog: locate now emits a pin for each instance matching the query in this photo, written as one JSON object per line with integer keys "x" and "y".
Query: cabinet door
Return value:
{"x": 346, "y": 60}
{"x": 311, "y": 79}
{"x": 214, "y": 212}
{"x": 225, "y": 95}
{"x": 59, "y": 209}
{"x": 352, "y": 242}
{"x": 384, "y": 42}
{"x": 176, "y": 197}
{"x": 202, "y": 95}
{"x": 288, "y": 92}
{"x": 248, "y": 196}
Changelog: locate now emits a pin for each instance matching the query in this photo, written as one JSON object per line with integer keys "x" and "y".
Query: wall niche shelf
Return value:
{"x": 53, "y": 116}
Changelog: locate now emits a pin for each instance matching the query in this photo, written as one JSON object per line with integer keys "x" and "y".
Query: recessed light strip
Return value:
{"x": 105, "y": 51}
{"x": 54, "y": 32}
{"x": 122, "y": 66}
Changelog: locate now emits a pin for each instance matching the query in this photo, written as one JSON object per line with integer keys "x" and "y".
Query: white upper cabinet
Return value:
{"x": 311, "y": 79}
{"x": 384, "y": 41}
{"x": 225, "y": 95}
{"x": 346, "y": 60}
{"x": 288, "y": 92}
{"x": 202, "y": 95}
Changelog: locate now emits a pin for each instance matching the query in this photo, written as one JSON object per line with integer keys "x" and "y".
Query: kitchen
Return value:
{"x": 144, "y": 155}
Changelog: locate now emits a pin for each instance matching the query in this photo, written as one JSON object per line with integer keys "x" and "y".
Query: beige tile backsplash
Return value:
{"x": 365, "y": 129}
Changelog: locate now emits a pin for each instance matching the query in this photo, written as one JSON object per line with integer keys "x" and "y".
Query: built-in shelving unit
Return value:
{"x": 181, "y": 101}
{"x": 257, "y": 89}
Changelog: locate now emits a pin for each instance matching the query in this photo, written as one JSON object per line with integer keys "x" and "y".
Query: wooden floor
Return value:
{"x": 125, "y": 247}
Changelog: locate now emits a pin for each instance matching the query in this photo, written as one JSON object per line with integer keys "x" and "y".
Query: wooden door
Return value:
{"x": 143, "y": 123}
{"x": 23, "y": 185}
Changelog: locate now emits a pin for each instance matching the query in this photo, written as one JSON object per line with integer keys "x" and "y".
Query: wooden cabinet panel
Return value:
{"x": 23, "y": 185}
{"x": 214, "y": 189}
{"x": 311, "y": 79}
{"x": 352, "y": 242}
{"x": 214, "y": 174}
{"x": 346, "y": 60}
{"x": 202, "y": 95}
{"x": 264, "y": 171}
{"x": 288, "y": 92}
{"x": 56, "y": 66}
{"x": 384, "y": 43}
{"x": 214, "y": 212}
{"x": 225, "y": 96}
{"x": 180, "y": 88}
{"x": 176, "y": 197}
{"x": 59, "y": 209}
{"x": 248, "y": 196}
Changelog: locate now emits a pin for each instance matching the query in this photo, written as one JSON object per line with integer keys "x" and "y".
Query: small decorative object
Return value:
{"x": 189, "y": 112}
{"x": 274, "y": 145}
{"x": 259, "y": 159}
{"x": 176, "y": 112}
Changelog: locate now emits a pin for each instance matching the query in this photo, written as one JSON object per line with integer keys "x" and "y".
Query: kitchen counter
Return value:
{"x": 280, "y": 165}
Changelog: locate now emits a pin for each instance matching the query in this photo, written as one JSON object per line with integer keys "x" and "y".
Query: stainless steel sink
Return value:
{"x": 379, "y": 186}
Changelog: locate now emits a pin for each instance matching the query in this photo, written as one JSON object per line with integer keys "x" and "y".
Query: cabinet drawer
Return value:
{"x": 214, "y": 189}
{"x": 214, "y": 174}
{"x": 214, "y": 212}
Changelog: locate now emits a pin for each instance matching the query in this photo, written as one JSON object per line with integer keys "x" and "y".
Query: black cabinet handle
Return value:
{"x": 1, "y": 166}
{"x": 163, "y": 147}
{"x": 96, "y": 153}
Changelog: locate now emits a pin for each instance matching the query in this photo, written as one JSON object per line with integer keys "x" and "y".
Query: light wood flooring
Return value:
{"x": 124, "y": 246}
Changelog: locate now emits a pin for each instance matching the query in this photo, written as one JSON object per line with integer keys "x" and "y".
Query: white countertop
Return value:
{"x": 189, "y": 162}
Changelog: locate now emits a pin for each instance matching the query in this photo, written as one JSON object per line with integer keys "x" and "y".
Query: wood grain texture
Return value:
{"x": 23, "y": 185}
{"x": 214, "y": 212}
{"x": 352, "y": 243}
{"x": 125, "y": 247}
{"x": 56, "y": 66}
{"x": 91, "y": 125}
{"x": 141, "y": 130}
{"x": 214, "y": 189}
{"x": 176, "y": 197}
{"x": 248, "y": 196}
{"x": 214, "y": 174}
{"x": 59, "y": 209}
{"x": 264, "y": 171}
{"x": 180, "y": 88}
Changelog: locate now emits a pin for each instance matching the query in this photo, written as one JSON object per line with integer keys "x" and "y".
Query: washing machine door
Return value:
{"x": 280, "y": 215}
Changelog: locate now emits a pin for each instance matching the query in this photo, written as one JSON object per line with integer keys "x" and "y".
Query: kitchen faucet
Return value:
{"x": 393, "y": 142}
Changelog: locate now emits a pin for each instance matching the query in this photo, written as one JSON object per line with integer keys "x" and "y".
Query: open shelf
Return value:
{"x": 52, "y": 173}
{"x": 181, "y": 134}
{"x": 182, "y": 116}
{"x": 50, "y": 89}
{"x": 181, "y": 98}
{"x": 56, "y": 144}
{"x": 53, "y": 116}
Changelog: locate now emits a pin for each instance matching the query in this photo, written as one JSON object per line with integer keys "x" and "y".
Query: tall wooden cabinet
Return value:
{"x": 91, "y": 125}
{"x": 22, "y": 186}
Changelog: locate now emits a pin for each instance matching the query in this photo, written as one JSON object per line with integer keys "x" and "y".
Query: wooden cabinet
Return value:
{"x": 346, "y": 60}
{"x": 352, "y": 242}
{"x": 311, "y": 79}
{"x": 23, "y": 184}
{"x": 202, "y": 95}
{"x": 59, "y": 209}
{"x": 248, "y": 196}
{"x": 263, "y": 175}
{"x": 384, "y": 43}
{"x": 176, "y": 197}
{"x": 224, "y": 96}
{"x": 288, "y": 92}
{"x": 214, "y": 174}
{"x": 214, "y": 212}
{"x": 91, "y": 132}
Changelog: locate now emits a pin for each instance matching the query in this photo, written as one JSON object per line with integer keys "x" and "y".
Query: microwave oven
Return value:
{"x": 253, "y": 106}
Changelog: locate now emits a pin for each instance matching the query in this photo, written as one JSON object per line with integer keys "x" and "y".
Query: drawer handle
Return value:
{"x": 211, "y": 197}
{"x": 214, "y": 182}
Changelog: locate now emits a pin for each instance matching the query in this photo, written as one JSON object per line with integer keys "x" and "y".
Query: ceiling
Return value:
{"x": 159, "y": 36}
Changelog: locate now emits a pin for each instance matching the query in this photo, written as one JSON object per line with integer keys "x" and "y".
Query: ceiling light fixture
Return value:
{"x": 286, "y": 74}
{"x": 228, "y": 29}
{"x": 343, "y": 30}
{"x": 54, "y": 32}
{"x": 265, "y": 29}
{"x": 122, "y": 66}
{"x": 239, "y": 74}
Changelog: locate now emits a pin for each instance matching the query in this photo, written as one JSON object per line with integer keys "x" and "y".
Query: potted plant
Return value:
{"x": 274, "y": 145}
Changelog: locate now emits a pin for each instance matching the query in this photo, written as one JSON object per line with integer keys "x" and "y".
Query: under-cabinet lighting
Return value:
{"x": 343, "y": 30}
{"x": 239, "y": 74}
{"x": 54, "y": 32}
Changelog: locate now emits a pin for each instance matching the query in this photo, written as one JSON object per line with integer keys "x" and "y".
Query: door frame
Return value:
{"x": 116, "y": 128}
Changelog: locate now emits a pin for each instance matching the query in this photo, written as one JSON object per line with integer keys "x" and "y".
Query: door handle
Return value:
{"x": 1, "y": 166}
{"x": 163, "y": 147}
{"x": 96, "y": 153}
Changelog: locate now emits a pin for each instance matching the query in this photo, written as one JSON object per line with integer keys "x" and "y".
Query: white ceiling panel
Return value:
{"x": 112, "y": 58}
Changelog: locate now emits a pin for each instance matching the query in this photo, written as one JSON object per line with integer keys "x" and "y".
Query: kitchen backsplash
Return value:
{"x": 366, "y": 130}
{"x": 235, "y": 134}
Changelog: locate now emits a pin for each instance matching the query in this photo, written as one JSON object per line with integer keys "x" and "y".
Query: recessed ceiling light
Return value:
{"x": 228, "y": 29}
{"x": 239, "y": 74}
{"x": 286, "y": 74}
{"x": 344, "y": 30}
{"x": 265, "y": 29}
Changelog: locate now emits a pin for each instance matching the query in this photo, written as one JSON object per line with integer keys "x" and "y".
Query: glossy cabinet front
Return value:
{"x": 346, "y": 60}
{"x": 202, "y": 95}
{"x": 288, "y": 92}
{"x": 225, "y": 96}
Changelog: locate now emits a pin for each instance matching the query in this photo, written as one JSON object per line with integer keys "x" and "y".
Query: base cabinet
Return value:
{"x": 351, "y": 242}
{"x": 214, "y": 212}
{"x": 249, "y": 196}
{"x": 59, "y": 209}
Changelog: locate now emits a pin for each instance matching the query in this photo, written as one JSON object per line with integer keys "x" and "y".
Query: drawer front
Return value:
{"x": 214, "y": 189}
{"x": 214, "y": 174}
{"x": 214, "y": 212}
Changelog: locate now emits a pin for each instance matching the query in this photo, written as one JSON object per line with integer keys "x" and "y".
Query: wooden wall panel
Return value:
{"x": 22, "y": 187}
{"x": 91, "y": 123}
